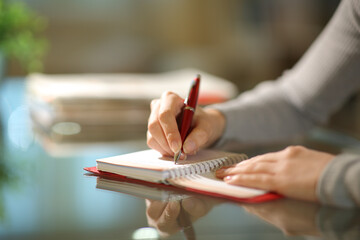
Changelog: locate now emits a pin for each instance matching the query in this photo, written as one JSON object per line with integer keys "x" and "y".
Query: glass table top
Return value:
{"x": 46, "y": 194}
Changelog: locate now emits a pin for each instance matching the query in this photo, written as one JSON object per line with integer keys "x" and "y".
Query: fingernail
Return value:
{"x": 227, "y": 178}
{"x": 189, "y": 146}
{"x": 175, "y": 146}
{"x": 183, "y": 156}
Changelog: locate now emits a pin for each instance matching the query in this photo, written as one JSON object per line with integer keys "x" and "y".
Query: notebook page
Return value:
{"x": 208, "y": 182}
{"x": 151, "y": 159}
{"x": 148, "y": 159}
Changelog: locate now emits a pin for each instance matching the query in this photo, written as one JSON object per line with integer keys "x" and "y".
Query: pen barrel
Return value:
{"x": 189, "y": 109}
{"x": 193, "y": 93}
{"x": 186, "y": 122}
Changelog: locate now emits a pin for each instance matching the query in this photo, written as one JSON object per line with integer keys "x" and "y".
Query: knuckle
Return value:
{"x": 256, "y": 167}
{"x": 292, "y": 151}
{"x": 164, "y": 116}
{"x": 153, "y": 103}
{"x": 167, "y": 94}
{"x": 172, "y": 97}
{"x": 150, "y": 142}
{"x": 152, "y": 126}
{"x": 258, "y": 159}
{"x": 264, "y": 179}
{"x": 171, "y": 136}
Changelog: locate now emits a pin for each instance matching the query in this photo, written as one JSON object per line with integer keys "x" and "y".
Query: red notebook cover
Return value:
{"x": 258, "y": 199}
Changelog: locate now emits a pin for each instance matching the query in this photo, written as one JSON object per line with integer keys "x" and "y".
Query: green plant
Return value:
{"x": 20, "y": 30}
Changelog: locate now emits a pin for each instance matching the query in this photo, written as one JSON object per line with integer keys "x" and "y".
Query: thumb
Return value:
{"x": 198, "y": 137}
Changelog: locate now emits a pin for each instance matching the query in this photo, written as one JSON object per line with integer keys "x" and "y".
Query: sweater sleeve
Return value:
{"x": 325, "y": 77}
{"x": 339, "y": 184}
{"x": 305, "y": 96}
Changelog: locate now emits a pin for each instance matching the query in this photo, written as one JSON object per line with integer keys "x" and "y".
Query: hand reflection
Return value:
{"x": 305, "y": 218}
{"x": 292, "y": 217}
{"x": 164, "y": 216}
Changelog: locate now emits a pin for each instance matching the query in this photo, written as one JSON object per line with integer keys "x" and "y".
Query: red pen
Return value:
{"x": 188, "y": 113}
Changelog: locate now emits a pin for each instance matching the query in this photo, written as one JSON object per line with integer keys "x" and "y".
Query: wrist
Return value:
{"x": 218, "y": 123}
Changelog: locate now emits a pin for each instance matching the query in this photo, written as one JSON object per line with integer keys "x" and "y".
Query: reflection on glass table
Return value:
{"x": 293, "y": 218}
{"x": 174, "y": 213}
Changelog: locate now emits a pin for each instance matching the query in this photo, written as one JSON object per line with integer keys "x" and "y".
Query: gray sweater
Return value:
{"x": 306, "y": 96}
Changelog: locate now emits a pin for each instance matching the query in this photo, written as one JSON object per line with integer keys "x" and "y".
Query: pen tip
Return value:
{"x": 177, "y": 156}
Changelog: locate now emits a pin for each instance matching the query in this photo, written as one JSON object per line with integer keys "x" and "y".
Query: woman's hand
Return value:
{"x": 164, "y": 215}
{"x": 163, "y": 133}
{"x": 293, "y": 172}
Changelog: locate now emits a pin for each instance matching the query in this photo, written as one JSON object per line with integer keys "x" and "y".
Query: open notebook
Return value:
{"x": 194, "y": 174}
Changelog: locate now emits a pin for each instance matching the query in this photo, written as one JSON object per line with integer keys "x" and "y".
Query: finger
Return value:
{"x": 268, "y": 157}
{"x": 154, "y": 105}
{"x": 260, "y": 181}
{"x": 195, "y": 207}
{"x": 256, "y": 164}
{"x": 170, "y": 107}
{"x": 220, "y": 172}
{"x": 260, "y": 167}
{"x": 155, "y": 209}
{"x": 152, "y": 143}
{"x": 198, "y": 137}
{"x": 156, "y": 132}
{"x": 167, "y": 222}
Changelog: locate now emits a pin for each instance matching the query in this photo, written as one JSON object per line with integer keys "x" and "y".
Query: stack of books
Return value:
{"x": 109, "y": 107}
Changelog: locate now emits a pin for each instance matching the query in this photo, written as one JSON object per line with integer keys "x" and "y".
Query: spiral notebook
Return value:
{"x": 196, "y": 174}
